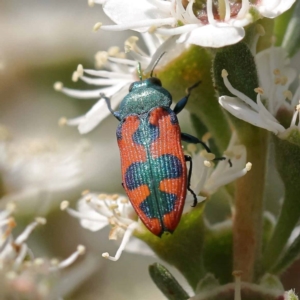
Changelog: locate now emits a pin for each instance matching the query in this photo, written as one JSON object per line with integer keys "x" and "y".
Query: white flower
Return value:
{"x": 204, "y": 23}
{"x": 97, "y": 211}
{"x": 23, "y": 273}
{"x": 31, "y": 166}
{"x": 275, "y": 75}
{"x": 206, "y": 179}
{"x": 119, "y": 74}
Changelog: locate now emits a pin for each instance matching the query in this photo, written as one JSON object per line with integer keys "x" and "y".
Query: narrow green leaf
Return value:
{"x": 166, "y": 282}
{"x": 288, "y": 162}
{"x": 292, "y": 254}
{"x": 291, "y": 40}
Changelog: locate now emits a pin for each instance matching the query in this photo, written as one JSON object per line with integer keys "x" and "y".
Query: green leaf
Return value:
{"x": 191, "y": 66}
{"x": 291, "y": 40}
{"x": 281, "y": 24}
{"x": 183, "y": 248}
{"x": 288, "y": 162}
{"x": 165, "y": 281}
{"x": 291, "y": 255}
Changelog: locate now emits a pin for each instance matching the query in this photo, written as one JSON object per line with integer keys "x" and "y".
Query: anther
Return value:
{"x": 102, "y": 196}
{"x": 97, "y": 26}
{"x": 105, "y": 254}
{"x": 259, "y": 90}
{"x": 81, "y": 249}
{"x": 38, "y": 261}
{"x": 64, "y": 205}
{"x": 276, "y": 72}
{"x": 152, "y": 29}
{"x": 75, "y": 76}
{"x": 248, "y": 166}
{"x": 208, "y": 164}
{"x": 224, "y": 73}
{"x": 58, "y": 86}
{"x": 85, "y": 192}
{"x": 114, "y": 197}
{"x": 80, "y": 70}
{"x": 62, "y": 121}
{"x": 40, "y": 220}
{"x": 91, "y": 3}
{"x": 113, "y": 51}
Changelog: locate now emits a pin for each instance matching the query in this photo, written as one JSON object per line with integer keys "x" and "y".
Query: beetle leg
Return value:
{"x": 107, "y": 100}
{"x": 182, "y": 103}
{"x": 122, "y": 183}
{"x": 189, "y": 159}
{"x": 193, "y": 140}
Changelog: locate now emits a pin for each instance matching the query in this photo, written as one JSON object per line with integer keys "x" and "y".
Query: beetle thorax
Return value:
{"x": 144, "y": 96}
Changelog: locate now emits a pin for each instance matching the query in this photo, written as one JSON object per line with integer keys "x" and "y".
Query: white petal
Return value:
{"x": 215, "y": 36}
{"x": 273, "y": 8}
{"x": 100, "y": 111}
{"x": 128, "y": 11}
{"x": 242, "y": 111}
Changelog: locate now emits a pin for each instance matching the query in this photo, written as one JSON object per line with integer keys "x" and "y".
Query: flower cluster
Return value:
{"x": 21, "y": 273}
{"x": 204, "y": 23}
{"x": 275, "y": 76}
{"x": 119, "y": 73}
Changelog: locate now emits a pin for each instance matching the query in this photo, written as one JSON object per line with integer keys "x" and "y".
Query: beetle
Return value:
{"x": 154, "y": 171}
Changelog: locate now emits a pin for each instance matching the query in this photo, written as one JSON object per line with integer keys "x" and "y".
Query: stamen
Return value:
{"x": 101, "y": 58}
{"x": 21, "y": 256}
{"x": 97, "y": 26}
{"x": 124, "y": 242}
{"x": 276, "y": 72}
{"x": 209, "y": 11}
{"x": 70, "y": 260}
{"x": 237, "y": 93}
{"x": 58, "y": 86}
{"x": 28, "y": 230}
{"x": 244, "y": 9}
{"x": 237, "y": 284}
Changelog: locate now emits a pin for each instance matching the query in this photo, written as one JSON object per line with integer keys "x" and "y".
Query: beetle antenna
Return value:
{"x": 139, "y": 70}
{"x": 157, "y": 61}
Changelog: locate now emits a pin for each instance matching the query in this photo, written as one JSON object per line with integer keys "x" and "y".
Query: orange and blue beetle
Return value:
{"x": 154, "y": 171}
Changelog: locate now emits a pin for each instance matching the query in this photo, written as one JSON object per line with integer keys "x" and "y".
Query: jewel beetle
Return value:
{"x": 154, "y": 171}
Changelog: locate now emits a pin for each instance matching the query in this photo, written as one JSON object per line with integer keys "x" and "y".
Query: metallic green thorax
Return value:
{"x": 143, "y": 96}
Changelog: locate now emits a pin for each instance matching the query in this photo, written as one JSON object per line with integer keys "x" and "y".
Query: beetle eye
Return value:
{"x": 130, "y": 87}
{"x": 155, "y": 81}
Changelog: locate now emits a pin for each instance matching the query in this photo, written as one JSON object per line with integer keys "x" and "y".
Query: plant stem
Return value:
{"x": 247, "y": 223}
